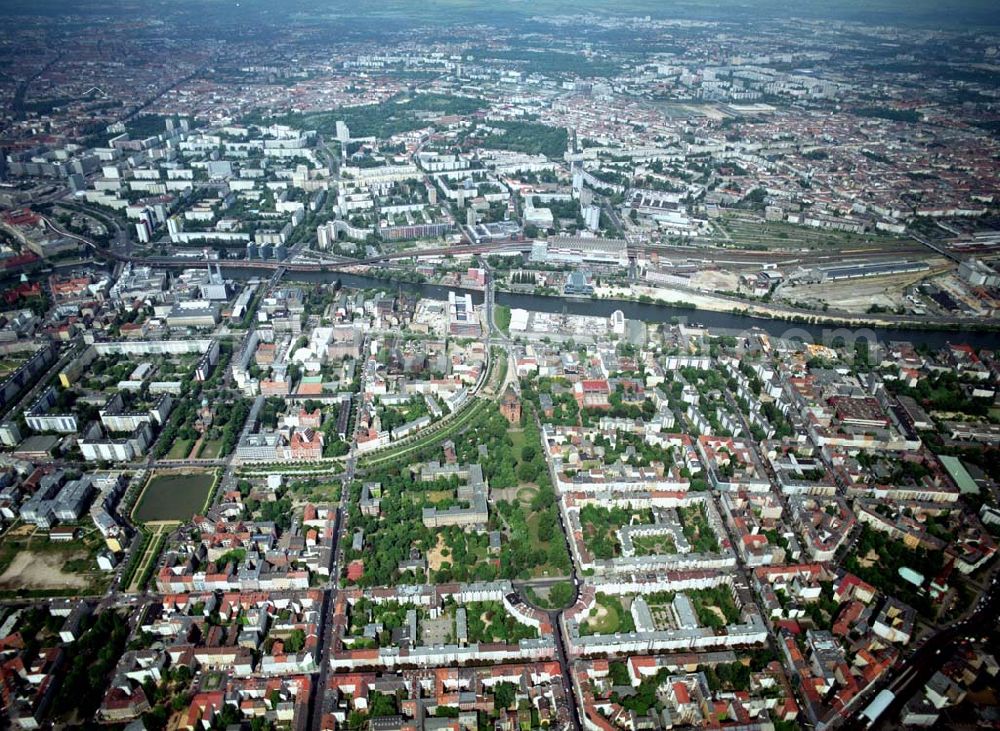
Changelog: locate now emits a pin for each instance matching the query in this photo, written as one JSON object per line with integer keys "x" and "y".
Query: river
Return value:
{"x": 648, "y": 312}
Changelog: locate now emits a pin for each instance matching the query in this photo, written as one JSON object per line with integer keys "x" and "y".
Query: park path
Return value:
{"x": 151, "y": 554}
{"x": 196, "y": 446}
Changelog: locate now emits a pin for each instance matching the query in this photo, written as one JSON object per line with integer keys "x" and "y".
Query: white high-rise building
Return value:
{"x": 617, "y": 322}
{"x": 343, "y": 133}
{"x": 325, "y": 236}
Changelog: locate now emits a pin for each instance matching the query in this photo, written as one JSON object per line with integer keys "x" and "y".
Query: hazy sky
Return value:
{"x": 970, "y": 14}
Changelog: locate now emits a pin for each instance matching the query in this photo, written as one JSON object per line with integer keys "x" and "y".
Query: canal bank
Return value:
{"x": 653, "y": 312}
{"x": 700, "y": 300}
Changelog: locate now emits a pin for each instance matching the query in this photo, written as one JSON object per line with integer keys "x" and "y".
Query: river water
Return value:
{"x": 650, "y": 312}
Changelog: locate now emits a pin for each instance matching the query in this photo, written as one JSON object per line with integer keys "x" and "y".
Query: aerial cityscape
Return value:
{"x": 467, "y": 366}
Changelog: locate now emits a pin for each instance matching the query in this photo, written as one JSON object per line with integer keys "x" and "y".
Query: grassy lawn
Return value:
{"x": 211, "y": 448}
{"x": 653, "y": 545}
{"x": 431, "y": 496}
{"x": 537, "y": 542}
{"x": 180, "y": 449}
{"x": 607, "y": 617}
{"x": 517, "y": 439}
{"x": 501, "y": 314}
{"x": 526, "y": 494}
